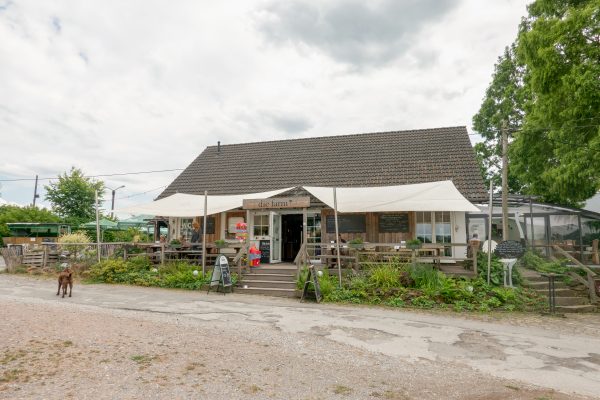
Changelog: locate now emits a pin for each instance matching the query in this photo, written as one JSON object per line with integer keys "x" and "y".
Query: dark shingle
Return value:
{"x": 370, "y": 159}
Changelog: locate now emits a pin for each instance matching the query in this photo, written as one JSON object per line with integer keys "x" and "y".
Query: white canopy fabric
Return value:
{"x": 431, "y": 196}
{"x": 192, "y": 205}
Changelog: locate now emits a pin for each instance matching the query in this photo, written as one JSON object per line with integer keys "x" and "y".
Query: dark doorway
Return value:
{"x": 291, "y": 236}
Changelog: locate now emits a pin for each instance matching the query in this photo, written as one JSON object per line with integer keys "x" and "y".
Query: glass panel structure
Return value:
{"x": 477, "y": 229}
{"x": 590, "y": 229}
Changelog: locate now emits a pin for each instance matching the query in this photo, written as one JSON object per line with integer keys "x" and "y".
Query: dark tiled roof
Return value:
{"x": 370, "y": 159}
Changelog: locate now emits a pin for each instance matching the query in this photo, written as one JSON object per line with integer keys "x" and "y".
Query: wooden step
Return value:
{"x": 268, "y": 292}
{"x": 269, "y": 277}
{"x": 268, "y": 284}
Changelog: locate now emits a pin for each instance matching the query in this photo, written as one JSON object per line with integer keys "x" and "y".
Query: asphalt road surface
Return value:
{"x": 146, "y": 343}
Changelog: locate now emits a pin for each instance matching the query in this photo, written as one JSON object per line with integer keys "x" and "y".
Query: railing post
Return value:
{"x": 474, "y": 250}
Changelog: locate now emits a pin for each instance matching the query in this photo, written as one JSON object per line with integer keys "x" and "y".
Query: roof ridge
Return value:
{"x": 341, "y": 136}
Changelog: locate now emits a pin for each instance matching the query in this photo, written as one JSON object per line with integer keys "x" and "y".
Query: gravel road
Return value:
{"x": 109, "y": 342}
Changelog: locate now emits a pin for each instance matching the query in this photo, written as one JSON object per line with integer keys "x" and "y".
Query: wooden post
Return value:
{"x": 474, "y": 250}
{"x": 248, "y": 263}
{"x": 504, "y": 182}
{"x": 204, "y": 234}
{"x": 97, "y": 226}
{"x": 162, "y": 254}
{"x": 337, "y": 236}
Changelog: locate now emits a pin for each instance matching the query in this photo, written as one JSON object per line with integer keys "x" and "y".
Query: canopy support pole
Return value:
{"x": 204, "y": 234}
{"x": 337, "y": 237}
{"x": 490, "y": 213}
{"x": 97, "y": 225}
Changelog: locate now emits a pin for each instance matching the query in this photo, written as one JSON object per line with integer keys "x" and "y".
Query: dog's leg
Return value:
{"x": 64, "y": 287}
{"x": 70, "y": 288}
{"x": 58, "y": 292}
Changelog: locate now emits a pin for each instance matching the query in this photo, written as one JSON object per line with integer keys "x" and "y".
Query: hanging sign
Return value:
{"x": 277, "y": 202}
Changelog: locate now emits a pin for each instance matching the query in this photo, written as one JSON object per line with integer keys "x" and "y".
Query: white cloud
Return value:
{"x": 146, "y": 85}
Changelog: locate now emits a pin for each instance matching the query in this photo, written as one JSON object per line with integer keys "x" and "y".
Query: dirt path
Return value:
{"x": 125, "y": 342}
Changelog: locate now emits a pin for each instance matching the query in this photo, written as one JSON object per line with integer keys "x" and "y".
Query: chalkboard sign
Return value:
{"x": 509, "y": 249}
{"x": 265, "y": 251}
{"x": 393, "y": 223}
{"x": 312, "y": 279}
{"x": 210, "y": 225}
{"x": 347, "y": 223}
{"x": 221, "y": 277}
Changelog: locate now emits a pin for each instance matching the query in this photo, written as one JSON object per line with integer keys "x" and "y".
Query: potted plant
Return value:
{"x": 356, "y": 243}
{"x": 175, "y": 244}
{"x": 414, "y": 244}
{"x": 220, "y": 243}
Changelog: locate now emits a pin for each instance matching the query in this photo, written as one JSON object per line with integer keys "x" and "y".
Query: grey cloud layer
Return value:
{"x": 356, "y": 32}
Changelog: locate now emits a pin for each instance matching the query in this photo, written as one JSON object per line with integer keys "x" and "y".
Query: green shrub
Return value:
{"x": 496, "y": 270}
{"x": 426, "y": 277}
{"x": 385, "y": 277}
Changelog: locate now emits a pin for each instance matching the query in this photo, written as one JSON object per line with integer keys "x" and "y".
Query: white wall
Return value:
{"x": 459, "y": 233}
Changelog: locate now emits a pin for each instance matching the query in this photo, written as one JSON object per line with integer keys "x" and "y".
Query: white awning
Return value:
{"x": 192, "y": 205}
{"x": 431, "y": 196}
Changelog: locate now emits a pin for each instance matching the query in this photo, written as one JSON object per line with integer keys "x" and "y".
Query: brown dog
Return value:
{"x": 65, "y": 278}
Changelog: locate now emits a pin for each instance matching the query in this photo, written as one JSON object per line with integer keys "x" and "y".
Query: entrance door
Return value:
{"x": 291, "y": 236}
{"x": 276, "y": 237}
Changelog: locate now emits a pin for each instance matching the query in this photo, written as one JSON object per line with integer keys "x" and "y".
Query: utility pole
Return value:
{"x": 504, "y": 181}
{"x": 35, "y": 193}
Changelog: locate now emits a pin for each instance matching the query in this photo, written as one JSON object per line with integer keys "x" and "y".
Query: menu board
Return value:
{"x": 393, "y": 223}
{"x": 265, "y": 251}
{"x": 356, "y": 223}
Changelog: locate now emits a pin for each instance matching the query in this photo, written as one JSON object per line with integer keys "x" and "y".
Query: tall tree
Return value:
{"x": 546, "y": 87}
{"x": 502, "y": 106}
{"x": 557, "y": 150}
{"x": 73, "y": 196}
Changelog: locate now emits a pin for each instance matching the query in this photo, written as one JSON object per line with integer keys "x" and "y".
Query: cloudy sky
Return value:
{"x": 125, "y": 86}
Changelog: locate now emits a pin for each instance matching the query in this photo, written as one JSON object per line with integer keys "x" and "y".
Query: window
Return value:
{"x": 424, "y": 227}
{"x": 261, "y": 225}
{"x": 439, "y": 222}
{"x": 232, "y": 231}
{"x": 314, "y": 232}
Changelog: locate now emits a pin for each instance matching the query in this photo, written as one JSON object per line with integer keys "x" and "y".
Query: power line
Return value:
{"x": 141, "y": 193}
{"x": 97, "y": 176}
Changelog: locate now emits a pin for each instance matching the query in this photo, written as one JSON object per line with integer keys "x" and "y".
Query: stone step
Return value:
{"x": 572, "y": 301}
{"x": 268, "y": 292}
{"x": 268, "y": 284}
{"x": 535, "y": 278}
{"x": 255, "y": 276}
{"x": 576, "y": 309}
{"x": 272, "y": 270}
{"x": 543, "y": 285}
{"x": 563, "y": 292}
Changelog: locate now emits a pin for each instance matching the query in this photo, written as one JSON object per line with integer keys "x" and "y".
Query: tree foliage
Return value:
{"x": 502, "y": 108}
{"x": 547, "y": 88}
{"x": 73, "y": 196}
{"x": 10, "y": 214}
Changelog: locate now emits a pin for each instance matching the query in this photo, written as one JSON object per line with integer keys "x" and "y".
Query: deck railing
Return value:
{"x": 363, "y": 255}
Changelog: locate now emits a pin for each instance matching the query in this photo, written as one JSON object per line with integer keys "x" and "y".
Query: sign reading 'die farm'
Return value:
{"x": 393, "y": 223}
{"x": 277, "y": 202}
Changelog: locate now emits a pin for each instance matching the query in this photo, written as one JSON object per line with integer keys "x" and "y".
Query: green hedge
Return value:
{"x": 139, "y": 271}
{"x": 422, "y": 286}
